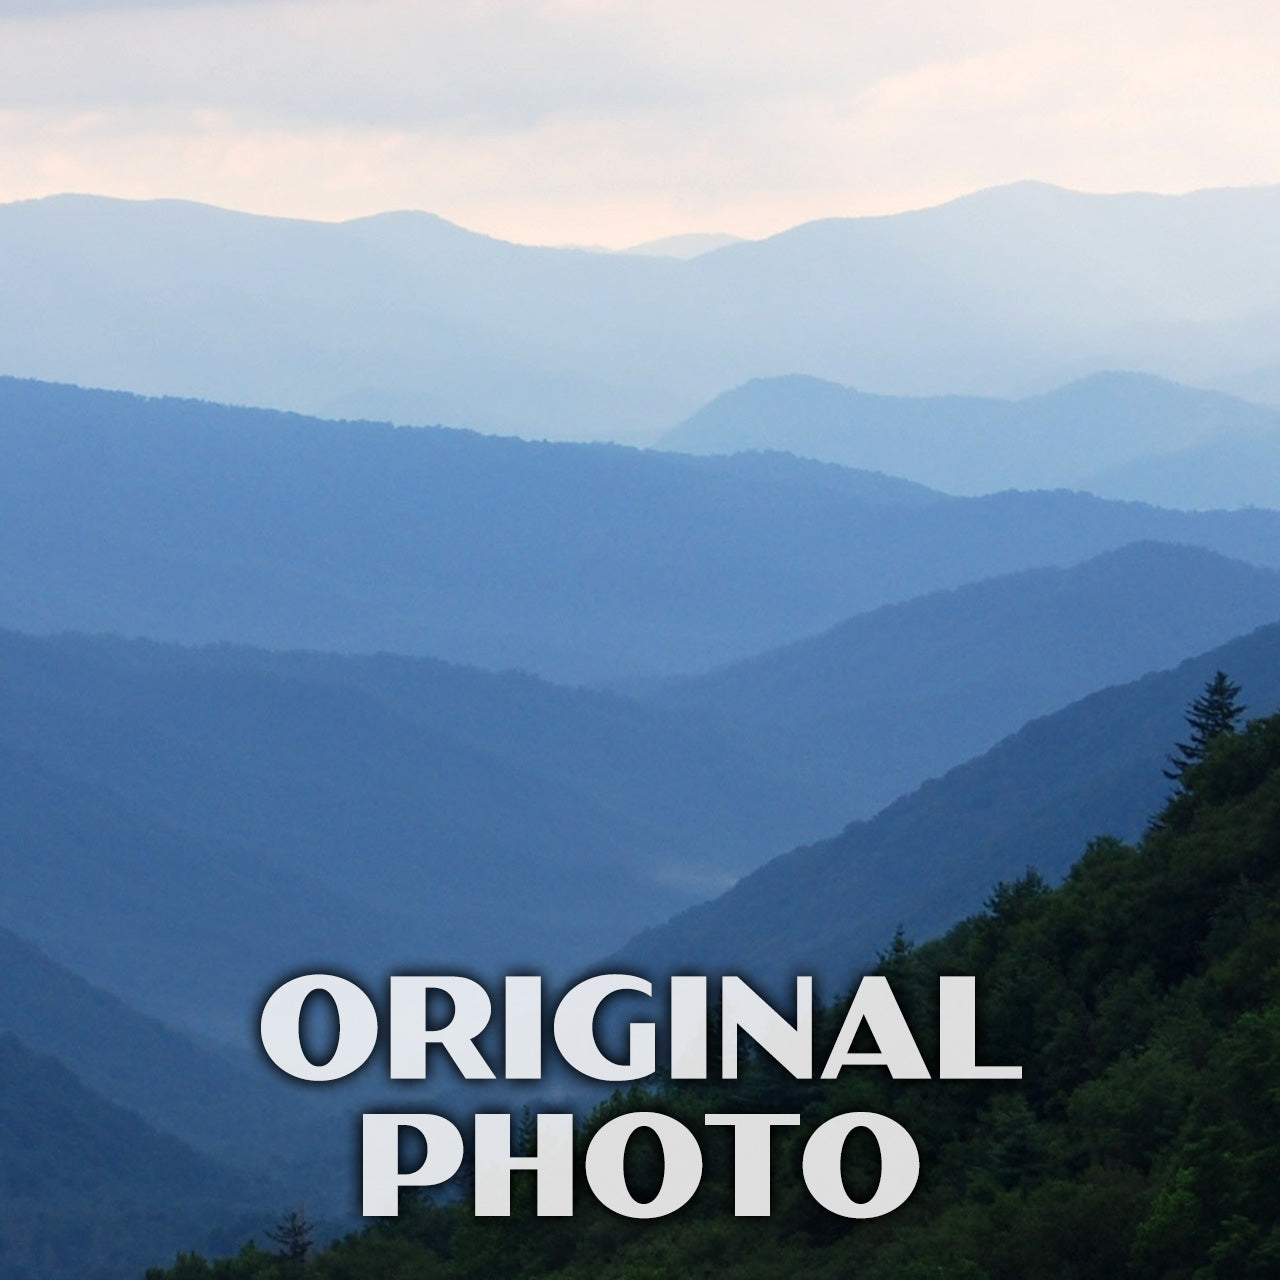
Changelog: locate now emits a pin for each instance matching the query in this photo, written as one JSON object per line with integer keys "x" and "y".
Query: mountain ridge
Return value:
{"x": 1111, "y": 433}
{"x": 193, "y": 522}
{"x": 1033, "y": 800}
{"x": 992, "y": 293}
{"x": 921, "y": 686}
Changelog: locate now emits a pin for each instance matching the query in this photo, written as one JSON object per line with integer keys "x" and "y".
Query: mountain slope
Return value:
{"x": 1034, "y": 800}
{"x": 234, "y": 825}
{"x": 1233, "y": 469}
{"x": 194, "y": 522}
{"x": 1118, "y": 435}
{"x": 1138, "y": 1001}
{"x": 886, "y": 699}
{"x": 88, "y": 1191}
{"x": 217, "y": 1105}
{"x": 62, "y": 1143}
{"x": 679, "y": 789}
{"x": 687, "y": 788}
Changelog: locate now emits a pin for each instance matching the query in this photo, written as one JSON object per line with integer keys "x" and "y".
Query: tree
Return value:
{"x": 293, "y": 1234}
{"x": 1214, "y": 713}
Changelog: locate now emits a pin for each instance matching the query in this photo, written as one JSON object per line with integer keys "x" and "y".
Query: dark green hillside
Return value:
{"x": 1142, "y": 999}
{"x": 89, "y": 1191}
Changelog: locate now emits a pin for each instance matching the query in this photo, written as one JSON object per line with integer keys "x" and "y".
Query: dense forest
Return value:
{"x": 1143, "y": 1140}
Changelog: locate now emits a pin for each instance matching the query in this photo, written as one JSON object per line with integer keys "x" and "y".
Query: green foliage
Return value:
{"x": 1142, "y": 998}
{"x": 1214, "y": 713}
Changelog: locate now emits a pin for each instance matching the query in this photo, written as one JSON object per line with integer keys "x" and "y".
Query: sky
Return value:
{"x": 612, "y": 122}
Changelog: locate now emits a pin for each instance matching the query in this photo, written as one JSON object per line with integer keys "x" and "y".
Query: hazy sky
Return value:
{"x": 615, "y": 121}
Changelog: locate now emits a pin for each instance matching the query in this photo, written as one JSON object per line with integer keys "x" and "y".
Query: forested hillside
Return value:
{"x": 1142, "y": 999}
{"x": 927, "y": 859}
{"x": 196, "y": 522}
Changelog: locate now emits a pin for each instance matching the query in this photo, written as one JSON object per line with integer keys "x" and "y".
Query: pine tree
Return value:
{"x": 293, "y": 1234}
{"x": 1212, "y": 714}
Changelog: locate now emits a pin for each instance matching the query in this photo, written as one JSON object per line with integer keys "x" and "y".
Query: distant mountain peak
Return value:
{"x": 1126, "y": 434}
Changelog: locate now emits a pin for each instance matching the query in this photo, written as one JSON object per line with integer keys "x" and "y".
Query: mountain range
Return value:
{"x": 284, "y": 693}
{"x": 193, "y": 522}
{"x": 407, "y": 317}
{"x": 239, "y": 813}
{"x": 1136, "y": 1002}
{"x": 1094, "y": 766}
{"x": 887, "y": 699}
{"x": 260, "y": 788}
{"x": 1117, "y": 435}
{"x": 235, "y": 826}
{"x": 1033, "y": 801}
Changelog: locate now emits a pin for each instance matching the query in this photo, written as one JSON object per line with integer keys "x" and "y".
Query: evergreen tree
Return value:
{"x": 293, "y": 1234}
{"x": 1212, "y": 714}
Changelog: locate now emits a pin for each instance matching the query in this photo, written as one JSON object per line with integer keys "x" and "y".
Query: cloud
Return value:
{"x": 618, "y": 120}
{"x": 467, "y": 63}
{"x": 53, "y": 8}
